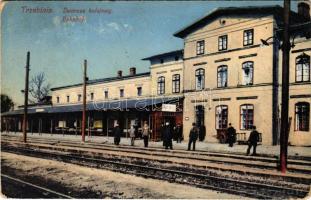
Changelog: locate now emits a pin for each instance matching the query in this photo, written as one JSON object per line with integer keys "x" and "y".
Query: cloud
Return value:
{"x": 112, "y": 27}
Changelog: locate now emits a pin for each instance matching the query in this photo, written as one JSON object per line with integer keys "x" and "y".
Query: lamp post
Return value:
{"x": 285, "y": 85}
{"x": 84, "y": 101}
{"x": 26, "y": 98}
{"x": 285, "y": 89}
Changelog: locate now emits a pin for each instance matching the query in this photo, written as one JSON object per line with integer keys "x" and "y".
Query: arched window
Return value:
{"x": 246, "y": 116}
{"x": 248, "y": 71}
{"x": 221, "y": 116}
{"x": 303, "y": 68}
{"x": 222, "y": 76}
{"x": 302, "y": 116}
{"x": 161, "y": 85}
{"x": 176, "y": 83}
{"x": 199, "y": 79}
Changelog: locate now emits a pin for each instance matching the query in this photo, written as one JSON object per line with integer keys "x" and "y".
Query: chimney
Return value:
{"x": 304, "y": 10}
{"x": 132, "y": 71}
{"x": 119, "y": 73}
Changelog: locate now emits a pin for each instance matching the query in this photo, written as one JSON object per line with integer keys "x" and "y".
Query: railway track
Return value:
{"x": 192, "y": 176}
{"x": 259, "y": 176}
{"x": 265, "y": 158}
{"x": 295, "y": 166}
{"x": 30, "y": 190}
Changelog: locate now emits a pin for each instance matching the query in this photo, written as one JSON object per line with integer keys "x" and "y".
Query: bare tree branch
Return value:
{"x": 38, "y": 88}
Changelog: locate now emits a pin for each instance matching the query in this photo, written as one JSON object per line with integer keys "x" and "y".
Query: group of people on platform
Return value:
{"x": 168, "y": 134}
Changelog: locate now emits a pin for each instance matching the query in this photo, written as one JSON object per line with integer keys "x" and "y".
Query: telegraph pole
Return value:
{"x": 84, "y": 100}
{"x": 26, "y": 98}
{"x": 285, "y": 89}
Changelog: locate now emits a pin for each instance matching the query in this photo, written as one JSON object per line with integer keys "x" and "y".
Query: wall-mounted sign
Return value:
{"x": 39, "y": 110}
{"x": 168, "y": 108}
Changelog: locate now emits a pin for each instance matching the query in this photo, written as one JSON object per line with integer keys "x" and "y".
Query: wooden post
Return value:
{"x": 76, "y": 126}
{"x": 15, "y": 125}
{"x": 39, "y": 127}
{"x": 88, "y": 126}
{"x": 31, "y": 124}
{"x": 51, "y": 126}
{"x": 6, "y": 125}
{"x": 107, "y": 128}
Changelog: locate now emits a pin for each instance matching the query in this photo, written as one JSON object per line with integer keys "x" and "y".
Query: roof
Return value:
{"x": 276, "y": 11}
{"x": 104, "y": 80}
{"x": 166, "y": 54}
{"x": 139, "y": 104}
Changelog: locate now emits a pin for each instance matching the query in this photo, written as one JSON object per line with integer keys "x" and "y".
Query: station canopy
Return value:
{"x": 139, "y": 104}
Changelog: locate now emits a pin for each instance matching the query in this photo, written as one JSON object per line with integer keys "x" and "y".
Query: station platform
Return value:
{"x": 200, "y": 146}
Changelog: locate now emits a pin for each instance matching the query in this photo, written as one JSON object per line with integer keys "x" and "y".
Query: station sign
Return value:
{"x": 168, "y": 107}
{"x": 40, "y": 110}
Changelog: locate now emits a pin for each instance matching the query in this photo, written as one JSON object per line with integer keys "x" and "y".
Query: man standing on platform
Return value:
{"x": 146, "y": 132}
{"x": 193, "y": 136}
{"x": 117, "y": 134}
{"x": 231, "y": 134}
{"x": 252, "y": 141}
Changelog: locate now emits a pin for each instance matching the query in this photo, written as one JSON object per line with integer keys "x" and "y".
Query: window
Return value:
{"x": 303, "y": 68}
{"x": 200, "y": 47}
{"x": 139, "y": 91}
{"x": 68, "y": 99}
{"x": 57, "y": 99}
{"x": 248, "y": 70}
{"x": 92, "y": 96}
{"x": 248, "y": 37}
{"x": 246, "y": 116}
{"x": 79, "y": 97}
{"x": 302, "y": 116}
{"x": 199, "y": 79}
{"x": 221, "y": 116}
{"x": 176, "y": 83}
{"x": 121, "y": 92}
{"x": 222, "y": 42}
{"x": 161, "y": 85}
{"x": 222, "y": 76}
{"x": 106, "y": 94}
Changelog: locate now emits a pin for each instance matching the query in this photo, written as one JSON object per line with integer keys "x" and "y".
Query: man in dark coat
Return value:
{"x": 193, "y": 136}
{"x": 231, "y": 133}
{"x": 117, "y": 134}
{"x": 202, "y": 133}
{"x": 179, "y": 133}
{"x": 252, "y": 141}
{"x": 167, "y": 136}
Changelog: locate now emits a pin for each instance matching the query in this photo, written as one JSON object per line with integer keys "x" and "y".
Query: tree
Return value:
{"x": 6, "y": 103}
{"x": 38, "y": 88}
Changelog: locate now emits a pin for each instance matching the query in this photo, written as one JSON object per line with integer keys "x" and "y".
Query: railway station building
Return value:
{"x": 232, "y": 59}
{"x": 229, "y": 71}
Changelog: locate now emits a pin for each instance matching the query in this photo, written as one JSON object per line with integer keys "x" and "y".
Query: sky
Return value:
{"x": 113, "y": 40}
